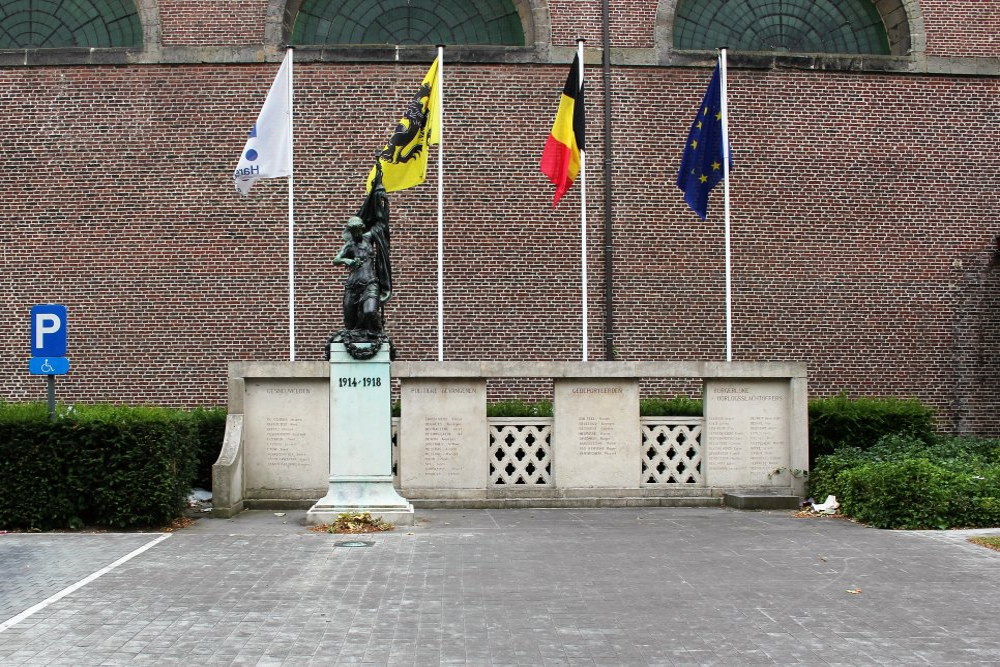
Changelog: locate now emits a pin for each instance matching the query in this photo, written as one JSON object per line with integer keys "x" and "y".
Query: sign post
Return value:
{"x": 48, "y": 346}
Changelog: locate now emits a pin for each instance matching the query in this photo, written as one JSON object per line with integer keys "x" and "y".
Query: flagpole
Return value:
{"x": 583, "y": 209}
{"x": 725, "y": 179}
{"x": 439, "y": 102}
{"x": 291, "y": 215}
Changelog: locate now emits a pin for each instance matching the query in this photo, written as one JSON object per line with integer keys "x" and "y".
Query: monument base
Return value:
{"x": 374, "y": 494}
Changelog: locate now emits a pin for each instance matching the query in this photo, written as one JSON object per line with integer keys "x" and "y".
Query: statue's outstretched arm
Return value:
{"x": 342, "y": 257}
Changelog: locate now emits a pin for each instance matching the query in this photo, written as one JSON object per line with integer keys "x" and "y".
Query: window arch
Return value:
{"x": 399, "y": 22}
{"x": 798, "y": 26}
{"x": 41, "y": 24}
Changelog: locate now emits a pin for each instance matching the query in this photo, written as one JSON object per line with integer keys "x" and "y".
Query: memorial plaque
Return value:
{"x": 596, "y": 438}
{"x": 443, "y": 436}
{"x": 746, "y": 432}
{"x": 285, "y": 438}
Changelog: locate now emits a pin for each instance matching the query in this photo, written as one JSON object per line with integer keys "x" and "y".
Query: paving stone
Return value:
{"x": 624, "y": 586}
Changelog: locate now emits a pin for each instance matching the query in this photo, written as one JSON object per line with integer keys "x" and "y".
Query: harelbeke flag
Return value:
{"x": 268, "y": 151}
{"x": 701, "y": 165}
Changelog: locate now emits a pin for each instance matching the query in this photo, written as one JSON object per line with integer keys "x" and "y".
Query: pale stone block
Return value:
{"x": 747, "y": 432}
{"x": 443, "y": 435}
{"x": 360, "y": 442}
{"x": 285, "y": 437}
{"x": 596, "y": 439}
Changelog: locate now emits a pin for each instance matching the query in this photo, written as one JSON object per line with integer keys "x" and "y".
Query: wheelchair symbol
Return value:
{"x": 47, "y": 367}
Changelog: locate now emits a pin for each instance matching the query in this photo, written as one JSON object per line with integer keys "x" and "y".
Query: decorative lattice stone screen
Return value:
{"x": 671, "y": 450}
{"x": 520, "y": 451}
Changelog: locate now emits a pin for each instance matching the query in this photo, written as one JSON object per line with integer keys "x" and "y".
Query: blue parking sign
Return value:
{"x": 48, "y": 330}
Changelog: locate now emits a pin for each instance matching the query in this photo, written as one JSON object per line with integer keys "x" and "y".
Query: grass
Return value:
{"x": 988, "y": 542}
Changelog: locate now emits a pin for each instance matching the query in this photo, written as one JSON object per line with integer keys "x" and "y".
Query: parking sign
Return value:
{"x": 48, "y": 330}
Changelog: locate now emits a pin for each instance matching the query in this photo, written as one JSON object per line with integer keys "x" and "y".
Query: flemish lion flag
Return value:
{"x": 404, "y": 158}
{"x": 561, "y": 157}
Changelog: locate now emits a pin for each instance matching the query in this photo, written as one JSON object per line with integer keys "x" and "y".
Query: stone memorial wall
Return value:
{"x": 443, "y": 448}
{"x": 285, "y": 437}
{"x": 595, "y": 439}
{"x": 747, "y": 432}
{"x": 753, "y": 436}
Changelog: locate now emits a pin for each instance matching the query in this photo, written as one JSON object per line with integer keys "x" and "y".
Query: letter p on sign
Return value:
{"x": 48, "y": 330}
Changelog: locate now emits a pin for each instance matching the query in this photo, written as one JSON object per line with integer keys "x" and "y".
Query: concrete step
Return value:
{"x": 575, "y": 502}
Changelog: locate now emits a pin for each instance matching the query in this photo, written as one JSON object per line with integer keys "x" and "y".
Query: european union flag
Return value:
{"x": 701, "y": 166}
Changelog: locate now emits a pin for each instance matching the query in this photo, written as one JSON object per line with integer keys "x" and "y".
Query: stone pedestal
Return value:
{"x": 360, "y": 442}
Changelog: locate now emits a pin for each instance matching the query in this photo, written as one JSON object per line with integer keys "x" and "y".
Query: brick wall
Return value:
{"x": 212, "y": 22}
{"x": 962, "y": 27}
{"x": 632, "y": 23}
{"x": 863, "y": 229}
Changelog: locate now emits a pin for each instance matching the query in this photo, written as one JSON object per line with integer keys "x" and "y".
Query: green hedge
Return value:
{"x": 678, "y": 406}
{"x": 840, "y": 421}
{"x": 99, "y": 465}
{"x": 518, "y": 408}
{"x": 210, "y": 426}
{"x": 908, "y": 482}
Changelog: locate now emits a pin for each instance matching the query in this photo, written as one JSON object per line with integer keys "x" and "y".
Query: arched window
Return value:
{"x": 46, "y": 24}
{"x": 399, "y": 22}
{"x": 798, "y": 26}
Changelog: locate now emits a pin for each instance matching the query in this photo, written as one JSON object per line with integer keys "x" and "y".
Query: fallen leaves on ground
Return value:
{"x": 810, "y": 514}
{"x": 354, "y": 522}
{"x": 178, "y": 524}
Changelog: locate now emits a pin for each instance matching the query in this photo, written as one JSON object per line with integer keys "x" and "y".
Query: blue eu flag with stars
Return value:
{"x": 701, "y": 166}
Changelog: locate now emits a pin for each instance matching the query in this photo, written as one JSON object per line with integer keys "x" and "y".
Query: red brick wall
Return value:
{"x": 962, "y": 27}
{"x": 211, "y": 22}
{"x": 863, "y": 226}
{"x": 632, "y": 23}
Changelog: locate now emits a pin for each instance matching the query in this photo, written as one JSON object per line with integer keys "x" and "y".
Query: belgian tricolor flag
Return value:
{"x": 561, "y": 157}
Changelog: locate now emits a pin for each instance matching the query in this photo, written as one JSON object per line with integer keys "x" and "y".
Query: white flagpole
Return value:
{"x": 439, "y": 94}
{"x": 583, "y": 208}
{"x": 725, "y": 178}
{"x": 291, "y": 217}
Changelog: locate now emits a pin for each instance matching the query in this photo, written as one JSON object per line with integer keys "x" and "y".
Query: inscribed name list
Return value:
{"x": 285, "y": 438}
{"x": 746, "y": 433}
{"x": 596, "y": 437}
{"x": 443, "y": 434}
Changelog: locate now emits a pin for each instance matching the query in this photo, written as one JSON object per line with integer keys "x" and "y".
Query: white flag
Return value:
{"x": 268, "y": 151}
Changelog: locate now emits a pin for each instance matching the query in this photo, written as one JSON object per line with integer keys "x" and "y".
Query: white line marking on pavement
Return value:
{"x": 80, "y": 584}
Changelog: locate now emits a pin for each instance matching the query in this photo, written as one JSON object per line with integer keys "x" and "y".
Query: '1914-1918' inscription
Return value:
{"x": 360, "y": 382}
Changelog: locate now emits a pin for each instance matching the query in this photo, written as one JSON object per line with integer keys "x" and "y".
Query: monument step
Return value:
{"x": 761, "y": 501}
{"x": 566, "y": 503}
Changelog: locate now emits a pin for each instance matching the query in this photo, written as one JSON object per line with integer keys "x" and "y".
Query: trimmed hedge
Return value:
{"x": 210, "y": 427}
{"x": 518, "y": 408}
{"x": 908, "y": 482}
{"x": 840, "y": 421}
{"x": 98, "y": 465}
{"x": 678, "y": 406}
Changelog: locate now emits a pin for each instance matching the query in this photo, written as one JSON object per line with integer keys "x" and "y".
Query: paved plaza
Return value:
{"x": 640, "y": 586}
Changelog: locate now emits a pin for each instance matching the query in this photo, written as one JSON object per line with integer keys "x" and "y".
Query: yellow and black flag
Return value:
{"x": 561, "y": 157}
{"x": 404, "y": 158}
